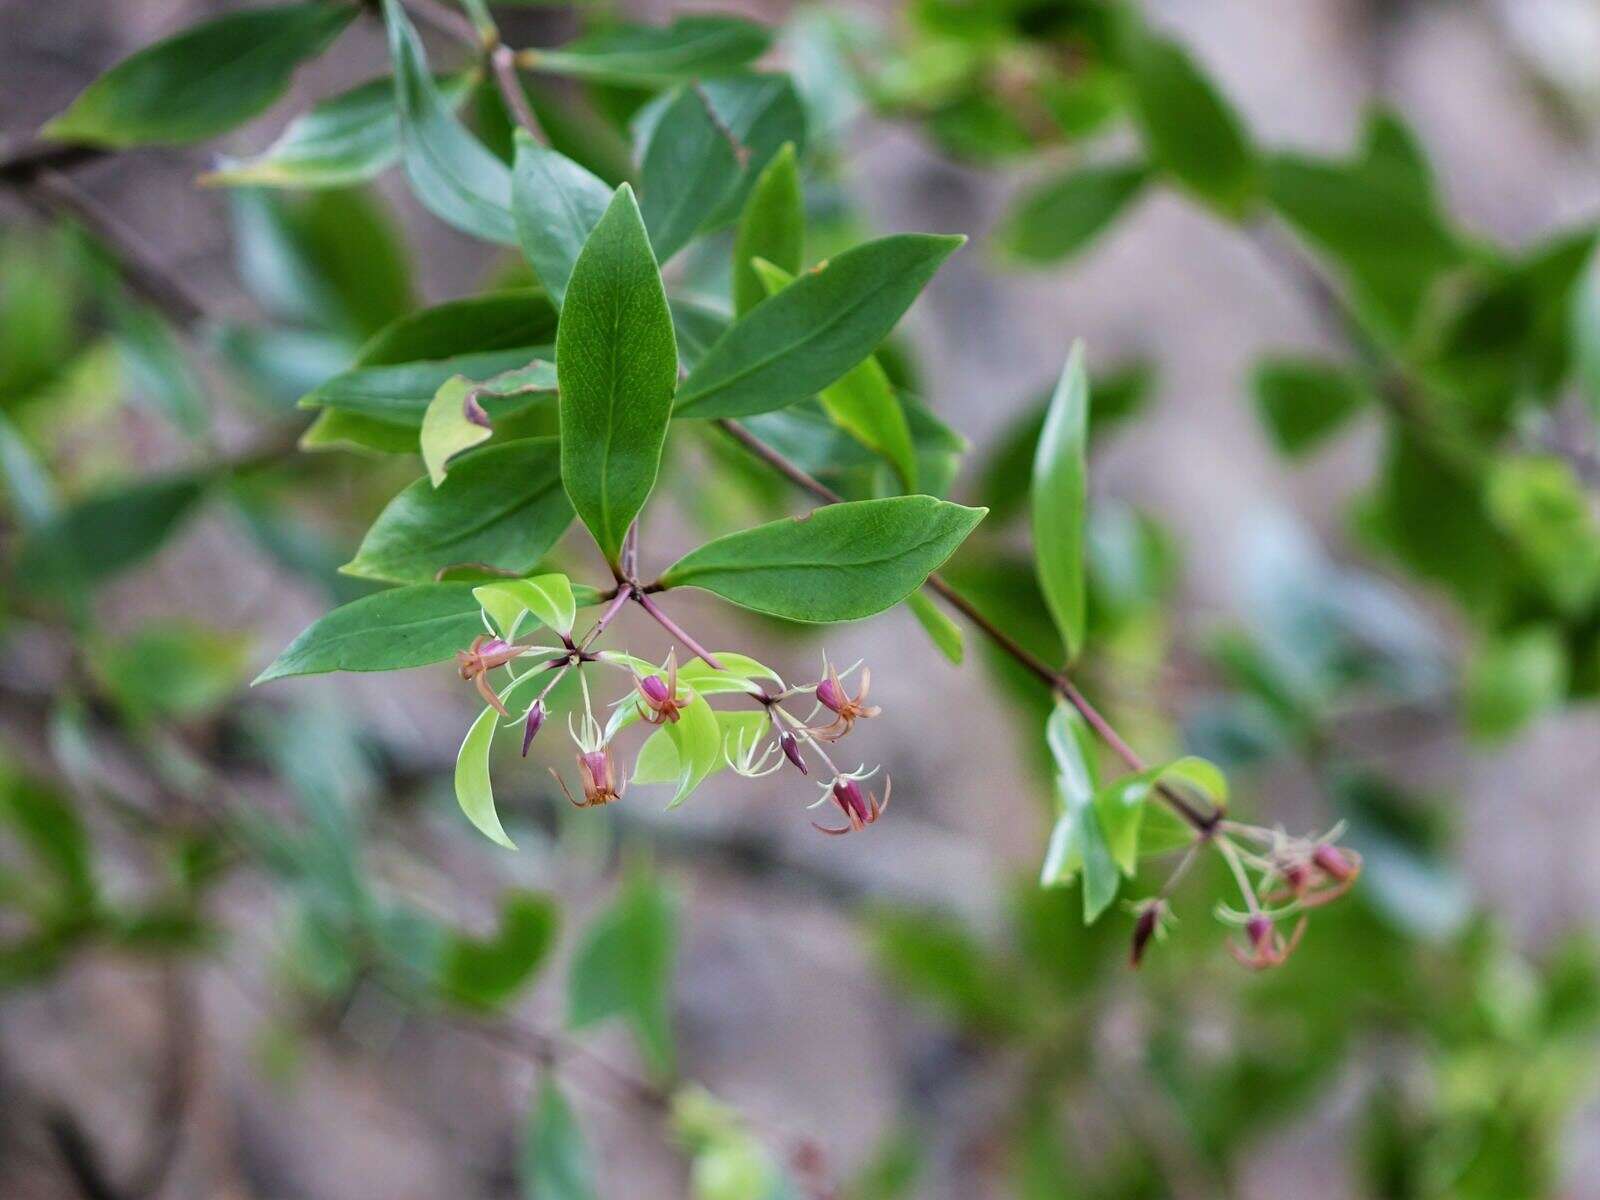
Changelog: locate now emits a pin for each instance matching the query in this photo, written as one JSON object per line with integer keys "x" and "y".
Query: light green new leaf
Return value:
{"x": 1586, "y": 333}
{"x": 555, "y": 1160}
{"x": 27, "y": 484}
{"x": 862, "y": 402}
{"x": 548, "y": 599}
{"x": 1303, "y": 401}
{"x": 623, "y": 968}
{"x": 617, "y": 363}
{"x": 772, "y": 227}
{"x": 1077, "y": 843}
{"x": 556, "y": 204}
{"x": 648, "y": 56}
{"x": 658, "y": 757}
{"x": 798, "y": 342}
{"x": 502, "y": 507}
{"x": 1061, "y": 217}
{"x": 343, "y": 140}
{"x": 841, "y": 562}
{"x": 156, "y": 366}
{"x": 447, "y": 428}
{"x": 381, "y": 401}
{"x": 1060, "y": 499}
{"x": 944, "y": 633}
{"x": 453, "y": 174}
{"x": 203, "y": 81}
{"x": 690, "y": 164}
{"x": 697, "y": 738}
{"x": 1121, "y": 805}
{"x": 474, "y": 790}
{"x": 1514, "y": 678}
{"x": 403, "y": 627}
{"x": 104, "y": 534}
{"x": 483, "y": 973}
{"x": 1190, "y": 130}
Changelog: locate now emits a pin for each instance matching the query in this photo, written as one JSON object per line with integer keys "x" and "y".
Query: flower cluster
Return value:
{"x": 1293, "y": 876}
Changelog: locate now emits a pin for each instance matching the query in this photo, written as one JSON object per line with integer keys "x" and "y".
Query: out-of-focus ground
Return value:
{"x": 778, "y": 1009}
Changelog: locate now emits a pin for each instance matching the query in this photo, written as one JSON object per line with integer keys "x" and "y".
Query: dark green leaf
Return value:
{"x": 555, "y": 1161}
{"x": 617, "y": 363}
{"x": 557, "y": 204}
{"x": 1060, "y": 500}
{"x": 202, "y": 81}
{"x": 689, "y": 166}
{"x": 487, "y": 972}
{"x": 1060, "y": 217}
{"x": 343, "y": 140}
{"x": 811, "y": 333}
{"x": 98, "y": 537}
{"x": 1585, "y": 333}
{"x": 403, "y": 627}
{"x": 838, "y": 563}
{"x": 1303, "y": 401}
{"x": 502, "y": 507}
{"x": 647, "y": 56}
{"x": 772, "y": 227}
{"x": 623, "y": 968}
{"x": 1190, "y": 130}
{"x": 452, "y": 173}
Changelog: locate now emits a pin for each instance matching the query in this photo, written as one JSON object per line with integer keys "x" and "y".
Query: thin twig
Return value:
{"x": 676, "y": 630}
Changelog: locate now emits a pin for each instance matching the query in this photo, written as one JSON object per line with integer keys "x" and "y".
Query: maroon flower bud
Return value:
{"x": 791, "y": 750}
{"x": 849, "y": 795}
{"x": 830, "y": 695}
{"x": 654, "y": 689}
{"x": 1332, "y": 863}
{"x": 1144, "y": 930}
{"x": 536, "y": 716}
{"x": 1259, "y": 930}
{"x": 860, "y": 808}
{"x": 1296, "y": 876}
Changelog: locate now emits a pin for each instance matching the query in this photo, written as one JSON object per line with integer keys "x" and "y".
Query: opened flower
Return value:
{"x": 484, "y": 655}
{"x": 847, "y": 709}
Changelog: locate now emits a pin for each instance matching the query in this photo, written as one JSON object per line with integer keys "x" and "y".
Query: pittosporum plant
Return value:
{"x": 688, "y": 312}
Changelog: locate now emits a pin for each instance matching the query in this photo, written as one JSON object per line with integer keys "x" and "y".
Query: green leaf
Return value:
{"x": 617, "y": 361}
{"x": 502, "y": 507}
{"x": 1060, "y": 499}
{"x": 343, "y": 140}
{"x": 448, "y": 430}
{"x": 556, "y": 204}
{"x": 548, "y": 599}
{"x": 1190, "y": 131}
{"x": 811, "y": 333}
{"x": 1077, "y": 843}
{"x": 1061, "y": 217}
{"x": 1120, "y": 805}
{"x": 944, "y": 633}
{"x": 1303, "y": 401}
{"x": 173, "y": 669}
{"x": 101, "y": 536}
{"x": 203, "y": 81}
{"x": 1514, "y": 678}
{"x": 454, "y": 175}
{"x": 474, "y": 790}
{"x": 658, "y": 760}
{"x": 689, "y": 166}
{"x": 648, "y": 56}
{"x": 623, "y": 968}
{"x": 837, "y": 563}
{"x": 862, "y": 402}
{"x": 1585, "y": 333}
{"x": 1389, "y": 242}
{"x": 484, "y": 973}
{"x": 1390, "y": 146}
{"x": 383, "y": 398}
{"x": 759, "y": 112}
{"x": 939, "y": 961}
{"x": 27, "y": 484}
{"x": 331, "y": 260}
{"x": 156, "y": 367}
{"x": 697, "y": 738}
{"x": 555, "y": 1160}
{"x": 403, "y": 627}
{"x": 1543, "y": 507}
{"x": 772, "y": 227}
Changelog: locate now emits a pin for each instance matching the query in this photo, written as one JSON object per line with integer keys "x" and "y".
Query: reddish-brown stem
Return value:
{"x": 676, "y": 630}
{"x": 504, "y": 62}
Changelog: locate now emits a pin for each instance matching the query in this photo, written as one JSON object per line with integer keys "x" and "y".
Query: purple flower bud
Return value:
{"x": 830, "y": 695}
{"x": 536, "y": 716}
{"x": 492, "y": 647}
{"x": 848, "y": 793}
{"x": 1143, "y": 930}
{"x": 1332, "y": 863}
{"x": 474, "y": 411}
{"x": 655, "y": 689}
{"x": 1259, "y": 929}
{"x": 791, "y": 750}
